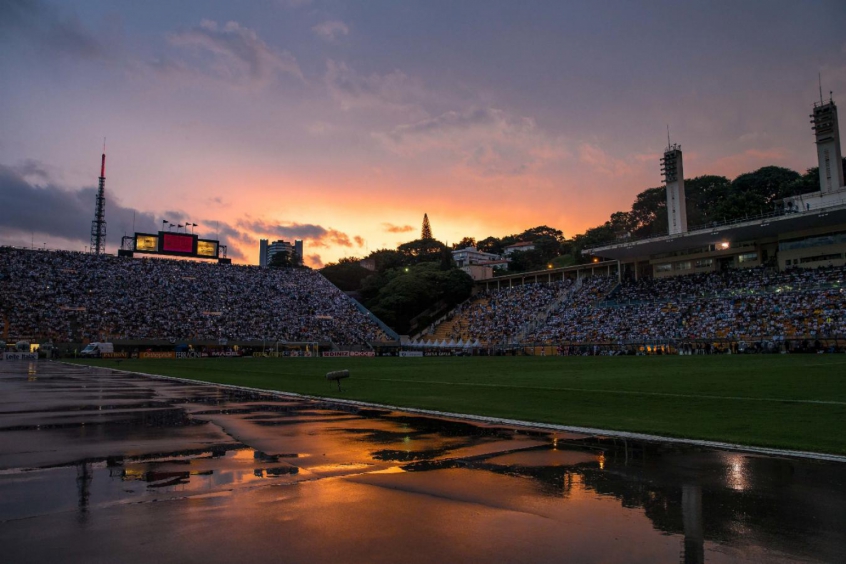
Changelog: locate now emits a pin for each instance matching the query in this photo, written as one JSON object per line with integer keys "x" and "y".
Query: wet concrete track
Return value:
{"x": 97, "y": 466}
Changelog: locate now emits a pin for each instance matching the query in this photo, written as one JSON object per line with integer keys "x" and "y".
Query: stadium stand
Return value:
{"x": 501, "y": 316}
{"x": 68, "y": 296}
{"x": 738, "y": 306}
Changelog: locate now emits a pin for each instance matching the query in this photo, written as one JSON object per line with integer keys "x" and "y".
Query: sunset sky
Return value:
{"x": 341, "y": 123}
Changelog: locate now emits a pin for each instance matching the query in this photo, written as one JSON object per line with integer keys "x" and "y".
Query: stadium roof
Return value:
{"x": 744, "y": 230}
{"x": 551, "y": 272}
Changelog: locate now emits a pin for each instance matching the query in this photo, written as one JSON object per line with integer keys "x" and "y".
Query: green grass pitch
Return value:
{"x": 783, "y": 401}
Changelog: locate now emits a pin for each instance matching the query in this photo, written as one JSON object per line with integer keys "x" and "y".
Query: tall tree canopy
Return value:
{"x": 464, "y": 243}
{"x": 426, "y": 231}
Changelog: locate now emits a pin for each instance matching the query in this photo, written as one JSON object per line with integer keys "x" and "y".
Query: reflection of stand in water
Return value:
{"x": 83, "y": 487}
{"x": 694, "y": 535}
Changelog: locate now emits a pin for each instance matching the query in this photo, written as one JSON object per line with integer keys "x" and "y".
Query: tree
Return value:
{"x": 547, "y": 248}
{"x": 347, "y": 274}
{"x": 388, "y": 258}
{"x": 281, "y": 260}
{"x": 446, "y": 259}
{"x": 421, "y": 250}
{"x": 535, "y": 233}
{"x": 649, "y": 212}
{"x": 756, "y": 192}
{"x": 805, "y": 184}
{"x": 490, "y": 245}
{"x": 524, "y": 261}
{"x": 705, "y": 194}
{"x": 622, "y": 223}
{"x": 426, "y": 232}
{"x": 408, "y": 291}
{"x": 594, "y": 237}
{"x": 464, "y": 243}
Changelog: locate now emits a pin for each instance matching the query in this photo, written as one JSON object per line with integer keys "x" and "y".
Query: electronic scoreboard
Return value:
{"x": 169, "y": 243}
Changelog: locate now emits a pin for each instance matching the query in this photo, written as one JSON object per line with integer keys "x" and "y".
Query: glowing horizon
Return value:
{"x": 342, "y": 126}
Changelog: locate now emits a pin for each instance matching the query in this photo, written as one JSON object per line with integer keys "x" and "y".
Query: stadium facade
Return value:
{"x": 808, "y": 231}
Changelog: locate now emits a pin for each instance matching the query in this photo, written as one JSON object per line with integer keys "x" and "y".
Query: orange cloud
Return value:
{"x": 391, "y": 228}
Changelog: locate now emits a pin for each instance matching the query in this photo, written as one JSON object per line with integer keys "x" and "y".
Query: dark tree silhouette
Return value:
{"x": 426, "y": 232}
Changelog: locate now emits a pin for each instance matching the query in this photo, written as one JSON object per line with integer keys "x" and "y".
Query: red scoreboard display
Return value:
{"x": 178, "y": 244}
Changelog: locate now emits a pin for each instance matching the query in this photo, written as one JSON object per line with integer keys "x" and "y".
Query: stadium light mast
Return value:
{"x": 827, "y": 133}
{"x": 673, "y": 172}
{"x": 98, "y": 226}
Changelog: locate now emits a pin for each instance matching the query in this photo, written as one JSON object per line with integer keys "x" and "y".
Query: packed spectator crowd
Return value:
{"x": 504, "y": 315}
{"x": 737, "y": 306}
{"x": 67, "y": 297}
{"x": 731, "y": 283}
{"x": 70, "y": 297}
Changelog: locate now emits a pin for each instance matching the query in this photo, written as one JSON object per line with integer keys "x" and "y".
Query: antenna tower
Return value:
{"x": 98, "y": 226}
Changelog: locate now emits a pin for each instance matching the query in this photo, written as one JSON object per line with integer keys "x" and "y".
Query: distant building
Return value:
{"x": 499, "y": 264}
{"x": 298, "y": 247}
{"x": 262, "y": 252}
{"x": 267, "y": 251}
{"x": 478, "y": 271}
{"x": 368, "y": 263}
{"x": 518, "y": 248}
{"x": 485, "y": 269}
{"x": 471, "y": 255}
{"x": 278, "y": 247}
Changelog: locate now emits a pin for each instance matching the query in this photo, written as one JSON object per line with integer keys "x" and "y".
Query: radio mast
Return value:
{"x": 98, "y": 226}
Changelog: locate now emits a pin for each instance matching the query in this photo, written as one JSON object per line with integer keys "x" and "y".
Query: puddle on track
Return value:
{"x": 93, "y": 463}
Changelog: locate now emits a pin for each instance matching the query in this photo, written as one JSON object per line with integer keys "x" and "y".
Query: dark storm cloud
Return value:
{"x": 317, "y": 235}
{"x": 31, "y": 168}
{"x": 51, "y": 210}
{"x": 234, "y": 239}
{"x": 47, "y": 29}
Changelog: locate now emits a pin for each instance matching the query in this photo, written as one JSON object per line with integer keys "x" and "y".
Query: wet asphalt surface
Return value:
{"x": 98, "y": 466}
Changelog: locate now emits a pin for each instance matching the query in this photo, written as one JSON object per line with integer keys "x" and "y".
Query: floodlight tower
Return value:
{"x": 827, "y": 133}
{"x": 98, "y": 226}
{"x": 673, "y": 172}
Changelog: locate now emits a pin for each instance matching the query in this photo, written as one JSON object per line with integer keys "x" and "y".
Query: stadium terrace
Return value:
{"x": 69, "y": 297}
